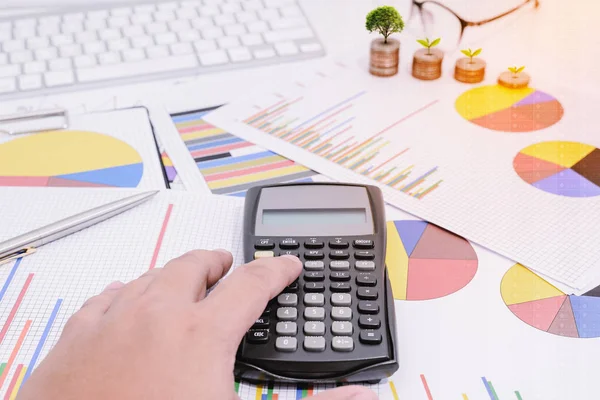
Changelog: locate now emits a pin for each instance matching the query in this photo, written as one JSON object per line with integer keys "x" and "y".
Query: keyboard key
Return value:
{"x": 165, "y": 38}
{"x": 342, "y": 343}
{"x": 94, "y": 24}
{"x": 341, "y": 299}
{"x": 258, "y": 336}
{"x": 213, "y": 32}
{"x": 314, "y": 328}
{"x": 234, "y": 30}
{"x": 58, "y": 78}
{"x": 188, "y": 36}
{"x": 287, "y": 23}
{"x": 3, "y": 58}
{"x": 164, "y": 16}
{"x": 121, "y": 11}
{"x": 252, "y": 39}
{"x": 87, "y": 37}
{"x": 19, "y": 57}
{"x": 341, "y": 328}
{"x": 339, "y": 265}
{"x": 264, "y": 52}
{"x": 109, "y": 58}
{"x": 314, "y": 343}
{"x": 365, "y": 265}
{"x": 140, "y": 42}
{"x": 118, "y": 22}
{"x": 224, "y": 19}
{"x": 160, "y": 51}
{"x": 181, "y": 48}
{"x": 340, "y": 287}
{"x": 314, "y": 287}
{"x": 46, "y": 54}
{"x": 239, "y": 54}
{"x": 230, "y": 8}
{"x": 209, "y": 11}
{"x": 286, "y": 328}
{"x": 314, "y": 276}
{"x": 370, "y": 337}
{"x": 141, "y": 19}
{"x": 213, "y": 58}
{"x": 288, "y": 34}
{"x": 286, "y": 48}
{"x": 84, "y": 61}
{"x": 366, "y": 293}
{"x": 339, "y": 255}
{"x": 131, "y": 55}
{"x": 314, "y": 255}
{"x": 108, "y": 34}
{"x": 156, "y": 28}
{"x": 341, "y": 313}
{"x": 368, "y": 307}
{"x": 286, "y": 343}
{"x": 70, "y": 50}
{"x": 311, "y": 47}
{"x": 34, "y": 67}
{"x": 268, "y": 14}
{"x": 314, "y": 313}
{"x": 366, "y": 280}
{"x": 201, "y": 23}
{"x": 291, "y": 11}
{"x": 228, "y": 42}
{"x": 289, "y": 243}
{"x": 257, "y": 26}
{"x": 252, "y": 5}
{"x": 263, "y": 254}
{"x": 287, "y": 299}
{"x": 264, "y": 244}
{"x": 262, "y": 322}
{"x": 60, "y": 64}
{"x": 13, "y": 45}
{"x": 179, "y": 26}
{"x": 7, "y": 85}
{"x": 246, "y": 16}
{"x": 37, "y": 43}
{"x": 364, "y": 255}
{"x": 205, "y": 46}
{"x": 287, "y": 314}
{"x": 314, "y": 299}
{"x": 363, "y": 244}
{"x": 314, "y": 265}
{"x": 369, "y": 322}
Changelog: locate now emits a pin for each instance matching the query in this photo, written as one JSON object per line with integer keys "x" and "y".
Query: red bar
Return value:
{"x": 397, "y": 155}
{"x": 250, "y": 118}
{"x": 221, "y": 149}
{"x": 195, "y": 128}
{"x": 24, "y": 180}
{"x": 247, "y": 171}
{"x": 13, "y": 382}
{"x": 16, "y": 349}
{"x": 161, "y": 236}
{"x": 15, "y": 308}
{"x": 426, "y": 386}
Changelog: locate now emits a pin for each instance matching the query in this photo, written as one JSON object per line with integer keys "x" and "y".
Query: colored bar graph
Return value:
{"x": 42, "y": 341}
{"x": 15, "y": 383}
{"x": 14, "y": 352}
{"x": 15, "y": 308}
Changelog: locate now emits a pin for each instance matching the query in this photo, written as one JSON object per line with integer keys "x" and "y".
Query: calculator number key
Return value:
{"x": 366, "y": 280}
{"x": 258, "y": 336}
{"x": 314, "y": 343}
{"x": 264, "y": 244}
{"x": 341, "y": 328}
{"x": 287, "y": 299}
{"x": 342, "y": 343}
{"x": 341, "y": 313}
{"x": 341, "y": 299}
{"x": 314, "y": 313}
{"x": 287, "y": 313}
{"x": 314, "y": 299}
{"x": 285, "y": 343}
{"x": 314, "y": 328}
{"x": 289, "y": 244}
{"x": 286, "y": 328}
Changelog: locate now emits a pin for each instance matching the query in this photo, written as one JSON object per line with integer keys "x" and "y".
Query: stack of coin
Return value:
{"x": 427, "y": 65}
{"x": 514, "y": 81}
{"x": 469, "y": 71}
{"x": 384, "y": 57}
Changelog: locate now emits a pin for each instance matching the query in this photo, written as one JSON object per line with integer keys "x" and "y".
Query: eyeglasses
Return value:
{"x": 440, "y": 21}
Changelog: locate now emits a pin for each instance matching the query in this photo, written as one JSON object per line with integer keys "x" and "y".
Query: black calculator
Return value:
{"x": 336, "y": 323}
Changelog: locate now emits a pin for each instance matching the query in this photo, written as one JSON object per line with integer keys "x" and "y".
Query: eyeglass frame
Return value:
{"x": 463, "y": 22}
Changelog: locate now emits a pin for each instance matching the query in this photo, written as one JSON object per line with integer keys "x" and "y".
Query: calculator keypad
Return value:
{"x": 335, "y": 304}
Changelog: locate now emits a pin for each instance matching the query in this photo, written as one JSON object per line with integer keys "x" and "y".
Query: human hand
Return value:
{"x": 160, "y": 337}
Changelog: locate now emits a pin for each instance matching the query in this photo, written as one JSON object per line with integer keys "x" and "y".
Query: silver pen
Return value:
{"x": 27, "y": 243}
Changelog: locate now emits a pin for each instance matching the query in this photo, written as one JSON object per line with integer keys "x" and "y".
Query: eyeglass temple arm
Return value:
{"x": 485, "y": 21}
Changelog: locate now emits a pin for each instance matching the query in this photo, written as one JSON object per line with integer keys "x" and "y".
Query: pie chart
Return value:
{"x": 509, "y": 110}
{"x": 69, "y": 158}
{"x": 565, "y": 168}
{"x": 426, "y": 262}
{"x": 543, "y": 306}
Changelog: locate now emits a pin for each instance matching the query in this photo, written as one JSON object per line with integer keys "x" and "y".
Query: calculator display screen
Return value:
{"x": 315, "y": 217}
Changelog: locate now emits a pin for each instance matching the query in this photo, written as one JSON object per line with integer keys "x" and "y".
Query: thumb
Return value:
{"x": 347, "y": 393}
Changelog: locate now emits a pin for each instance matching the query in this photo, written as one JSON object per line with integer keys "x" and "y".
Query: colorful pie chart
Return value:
{"x": 509, "y": 110}
{"x": 69, "y": 158}
{"x": 565, "y": 168}
{"x": 426, "y": 262}
{"x": 543, "y": 306}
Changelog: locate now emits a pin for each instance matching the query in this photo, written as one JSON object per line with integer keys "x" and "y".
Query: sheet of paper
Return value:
{"x": 362, "y": 129}
{"x": 115, "y": 149}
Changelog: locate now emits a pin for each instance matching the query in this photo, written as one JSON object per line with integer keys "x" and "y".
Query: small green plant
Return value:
{"x": 515, "y": 70}
{"x": 385, "y": 20}
{"x": 428, "y": 44}
{"x": 471, "y": 54}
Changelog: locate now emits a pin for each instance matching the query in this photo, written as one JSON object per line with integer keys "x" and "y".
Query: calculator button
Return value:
{"x": 289, "y": 253}
{"x": 314, "y": 287}
{"x": 314, "y": 255}
{"x": 314, "y": 328}
{"x": 340, "y": 286}
{"x": 292, "y": 287}
{"x": 258, "y": 336}
{"x": 370, "y": 337}
{"x": 314, "y": 313}
{"x": 342, "y": 343}
{"x": 314, "y": 343}
{"x": 365, "y": 293}
{"x": 289, "y": 244}
{"x": 286, "y": 328}
{"x": 338, "y": 244}
{"x": 363, "y": 244}
{"x": 313, "y": 243}
{"x": 340, "y": 276}
{"x": 314, "y": 299}
{"x": 339, "y": 255}
{"x": 314, "y": 276}
{"x": 263, "y": 254}
{"x": 262, "y": 322}
{"x": 287, "y": 313}
{"x": 341, "y": 328}
{"x": 287, "y": 299}
{"x": 285, "y": 343}
{"x": 369, "y": 322}
{"x": 341, "y": 299}
{"x": 368, "y": 307}
{"x": 366, "y": 280}
{"x": 341, "y": 313}
{"x": 314, "y": 265}
{"x": 339, "y": 265}
{"x": 264, "y": 244}
{"x": 365, "y": 265}
{"x": 364, "y": 255}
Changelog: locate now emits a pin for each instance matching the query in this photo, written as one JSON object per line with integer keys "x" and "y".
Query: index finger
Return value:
{"x": 241, "y": 298}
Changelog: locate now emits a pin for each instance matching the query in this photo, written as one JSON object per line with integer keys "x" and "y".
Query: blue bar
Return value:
{"x": 337, "y": 126}
{"x": 10, "y": 277}
{"x": 419, "y": 178}
{"x": 298, "y": 393}
{"x": 215, "y": 143}
{"x": 264, "y": 397}
{"x": 233, "y": 160}
{"x": 488, "y": 388}
{"x": 190, "y": 117}
{"x": 42, "y": 341}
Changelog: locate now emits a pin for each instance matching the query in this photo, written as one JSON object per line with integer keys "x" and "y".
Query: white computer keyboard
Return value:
{"x": 104, "y": 45}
